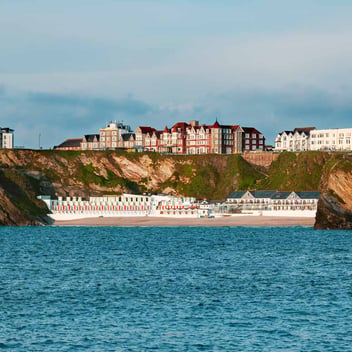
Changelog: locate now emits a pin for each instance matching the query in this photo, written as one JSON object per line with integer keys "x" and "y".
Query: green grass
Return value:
{"x": 295, "y": 171}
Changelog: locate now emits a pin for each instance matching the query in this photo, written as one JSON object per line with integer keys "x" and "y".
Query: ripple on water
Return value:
{"x": 175, "y": 289}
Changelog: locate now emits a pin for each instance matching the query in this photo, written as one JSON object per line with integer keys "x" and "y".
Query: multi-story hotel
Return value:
{"x": 193, "y": 138}
{"x": 182, "y": 138}
{"x": 338, "y": 139}
{"x": 309, "y": 138}
{"x": 111, "y": 134}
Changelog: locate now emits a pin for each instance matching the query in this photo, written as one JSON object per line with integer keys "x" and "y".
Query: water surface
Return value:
{"x": 175, "y": 289}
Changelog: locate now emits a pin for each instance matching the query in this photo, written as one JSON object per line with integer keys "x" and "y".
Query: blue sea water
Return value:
{"x": 175, "y": 289}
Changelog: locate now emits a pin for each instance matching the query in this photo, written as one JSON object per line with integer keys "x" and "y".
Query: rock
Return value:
{"x": 335, "y": 204}
{"x": 331, "y": 214}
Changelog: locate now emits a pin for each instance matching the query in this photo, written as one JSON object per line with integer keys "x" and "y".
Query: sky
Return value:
{"x": 69, "y": 66}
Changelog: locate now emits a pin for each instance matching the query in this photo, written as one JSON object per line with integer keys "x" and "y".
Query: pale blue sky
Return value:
{"x": 66, "y": 67}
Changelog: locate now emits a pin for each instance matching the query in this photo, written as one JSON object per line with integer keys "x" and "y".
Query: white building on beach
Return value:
{"x": 274, "y": 202}
{"x": 123, "y": 205}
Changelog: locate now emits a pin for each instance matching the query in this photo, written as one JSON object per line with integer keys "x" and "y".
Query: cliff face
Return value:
{"x": 24, "y": 174}
{"x": 335, "y": 203}
{"x": 296, "y": 172}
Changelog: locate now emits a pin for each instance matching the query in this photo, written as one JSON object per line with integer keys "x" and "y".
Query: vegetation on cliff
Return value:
{"x": 27, "y": 173}
{"x": 335, "y": 204}
{"x": 296, "y": 172}
{"x": 24, "y": 174}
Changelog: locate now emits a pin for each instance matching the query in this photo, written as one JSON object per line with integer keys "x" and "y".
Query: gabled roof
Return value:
{"x": 127, "y": 136}
{"x": 89, "y": 138}
{"x": 281, "y": 195}
{"x": 262, "y": 194}
{"x": 274, "y": 194}
{"x": 216, "y": 125}
{"x": 146, "y": 129}
{"x": 308, "y": 194}
{"x": 70, "y": 143}
{"x": 182, "y": 125}
{"x": 250, "y": 130}
{"x": 303, "y": 129}
{"x": 237, "y": 194}
{"x": 157, "y": 134}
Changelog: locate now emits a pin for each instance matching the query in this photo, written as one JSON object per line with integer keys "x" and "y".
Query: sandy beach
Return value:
{"x": 159, "y": 221}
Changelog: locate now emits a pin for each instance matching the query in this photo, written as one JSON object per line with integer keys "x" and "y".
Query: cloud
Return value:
{"x": 59, "y": 116}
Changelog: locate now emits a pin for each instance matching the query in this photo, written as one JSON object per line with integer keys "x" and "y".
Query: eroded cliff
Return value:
{"x": 335, "y": 204}
{"x": 24, "y": 174}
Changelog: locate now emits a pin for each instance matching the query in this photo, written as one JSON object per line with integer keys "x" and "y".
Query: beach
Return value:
{"x": 245, "y": 220}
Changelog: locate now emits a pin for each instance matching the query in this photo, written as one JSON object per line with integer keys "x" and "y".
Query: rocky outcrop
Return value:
{"x": 335, "y": 204}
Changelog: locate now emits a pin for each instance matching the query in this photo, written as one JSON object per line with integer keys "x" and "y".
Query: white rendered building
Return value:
{"x": 293, "y": 141}
{"x": 123, "y": 205}
{"x": 338, "y": 139}
{"x": 6, "y": 138}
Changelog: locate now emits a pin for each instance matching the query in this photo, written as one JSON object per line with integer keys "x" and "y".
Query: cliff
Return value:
{"x": 24, "y": 174}
{"x": 335, "y": 204}
{"x": 295, "y": 172}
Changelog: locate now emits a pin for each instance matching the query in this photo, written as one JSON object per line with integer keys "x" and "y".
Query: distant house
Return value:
{"x": 252, "y": 140}
{"x": 90, "y": 142}
{"x": 70, "y": 144}
{"x": 6, "y": 138}
{"x": 294, "y": 141}
{"x": 128, "y": 140}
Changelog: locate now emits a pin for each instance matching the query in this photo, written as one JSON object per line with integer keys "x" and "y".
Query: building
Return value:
{"x": 191, "y": 138}
{"x": 252, "y": 140}
{"x": 274, "y": 200}
{"x": 127, "y": 141}
{"x": 90, "y": 142}
{"x": 123, "y": 205}
{"x": 181, "y": 138}
{"x": 70, "y": 144}
{"x": 143, "y": 136}
{"x": 6, "y": 138}
{"x": 111, "y": 134}
{"x": 293, "y": 141}
{"x": 338, "y": 139}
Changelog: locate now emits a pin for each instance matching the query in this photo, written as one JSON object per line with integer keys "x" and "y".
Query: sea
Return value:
{"x": 175, "y": 289}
